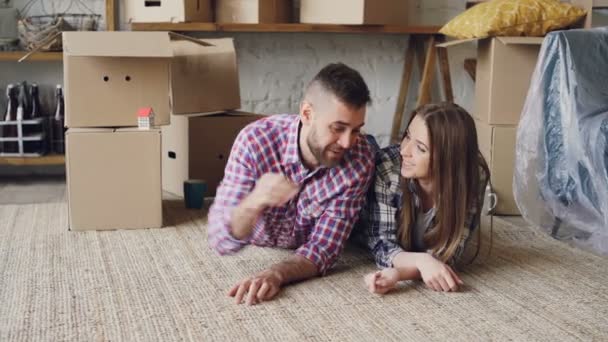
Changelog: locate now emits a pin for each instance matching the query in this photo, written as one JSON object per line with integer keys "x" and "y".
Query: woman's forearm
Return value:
{"x": 407, "y": 265}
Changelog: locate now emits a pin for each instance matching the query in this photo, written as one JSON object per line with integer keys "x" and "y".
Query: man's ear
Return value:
{"x": 306, "y": 112}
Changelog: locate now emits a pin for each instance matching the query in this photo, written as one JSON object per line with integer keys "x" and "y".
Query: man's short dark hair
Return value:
{"x": 345, "y": 83}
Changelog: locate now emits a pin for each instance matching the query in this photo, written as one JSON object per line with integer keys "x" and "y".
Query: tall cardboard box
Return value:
{"x": 108, "y": 76}
{"x": 354, "y": 12}
{"x": 113, "y": 178}
{"x": 253, "y": 11}
{"x": 497, "y": 145}
{"x": 175, "y": 11}
{"x": 198, "y": 146}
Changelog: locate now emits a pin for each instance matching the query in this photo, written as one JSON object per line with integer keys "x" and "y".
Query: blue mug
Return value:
{"x": 194, "y": 193}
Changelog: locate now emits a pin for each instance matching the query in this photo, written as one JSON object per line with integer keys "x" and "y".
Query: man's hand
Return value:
{"x": 271, "y": 190}
{"x": 437, "y": 275}
{"x": 274, "y": 190}
{"x": 381, "y": 282}
{"x": 261, "y": 287}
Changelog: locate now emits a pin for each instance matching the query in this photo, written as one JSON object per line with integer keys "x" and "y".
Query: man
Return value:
{"x": 297, "y": 182}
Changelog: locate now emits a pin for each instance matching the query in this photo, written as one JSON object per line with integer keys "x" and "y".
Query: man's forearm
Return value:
{"x": 295, "y": 268}
{"x": 243, "y": 218}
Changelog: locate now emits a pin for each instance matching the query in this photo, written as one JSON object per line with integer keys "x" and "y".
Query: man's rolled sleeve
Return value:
{"x": 239, "y": 180}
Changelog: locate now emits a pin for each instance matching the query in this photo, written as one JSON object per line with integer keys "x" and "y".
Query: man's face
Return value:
{"x": 334, "y": 129}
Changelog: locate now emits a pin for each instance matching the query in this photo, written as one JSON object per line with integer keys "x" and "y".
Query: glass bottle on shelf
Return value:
{"x": 35, "y": 105}
{"x": 9, "y": 130}
{"x": 22, "y": 102}
{"x": 58, "y": 130}
{"x": 35, "y": 130}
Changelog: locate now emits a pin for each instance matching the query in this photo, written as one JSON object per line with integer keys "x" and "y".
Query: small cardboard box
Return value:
{"x": 354, "y": 12}
{"x": 504, "y": 69}
{"x": 502, "y": 78}
{"x": 253, "y": 11}
{"x": 497, "y": 145}
{"x": 198, "y": 147}
{"x": 176, "y": 11}
{"x": 113, "y": 178}
{"x": 108, "y": 76}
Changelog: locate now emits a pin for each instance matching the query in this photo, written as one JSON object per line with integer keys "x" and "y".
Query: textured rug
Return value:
{"x": 165, "y": 284}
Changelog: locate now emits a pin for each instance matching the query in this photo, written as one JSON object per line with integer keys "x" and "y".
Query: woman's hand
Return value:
{"x": 437, "y": 275}
{"x": 381, "y": 282}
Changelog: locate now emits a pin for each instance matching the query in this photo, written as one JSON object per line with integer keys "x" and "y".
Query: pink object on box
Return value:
{"x": 145, "y": 118}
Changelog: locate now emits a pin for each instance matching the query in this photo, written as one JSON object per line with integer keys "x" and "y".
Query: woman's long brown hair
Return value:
{"x": 454, "y": 168}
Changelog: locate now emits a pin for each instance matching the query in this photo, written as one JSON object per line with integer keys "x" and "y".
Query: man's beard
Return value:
{"x": 318, "y": 151}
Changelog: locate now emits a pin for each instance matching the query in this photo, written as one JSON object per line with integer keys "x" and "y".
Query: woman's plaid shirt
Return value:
{"x": 377, "y": 227}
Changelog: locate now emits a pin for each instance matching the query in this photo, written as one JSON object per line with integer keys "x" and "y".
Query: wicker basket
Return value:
{"x": 39, "y": 32}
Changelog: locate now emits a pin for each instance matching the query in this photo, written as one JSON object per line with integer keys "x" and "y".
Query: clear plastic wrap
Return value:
{"x": 561, "y": 167}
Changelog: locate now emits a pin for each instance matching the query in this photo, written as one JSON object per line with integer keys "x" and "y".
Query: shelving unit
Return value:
{"x": 50, "y": 159}
{"x": 293, "y": 27}
{"x": 14, "y": 56}
{"x": 21, "y": 138}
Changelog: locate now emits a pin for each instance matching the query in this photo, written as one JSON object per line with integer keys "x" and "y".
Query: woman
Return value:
{"x": 425, "y": 201}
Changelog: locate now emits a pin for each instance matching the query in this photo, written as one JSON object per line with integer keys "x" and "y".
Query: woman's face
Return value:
{"x": 416, "y": 151}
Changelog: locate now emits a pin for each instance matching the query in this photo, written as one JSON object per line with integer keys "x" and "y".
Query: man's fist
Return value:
{"x": 274, "y": 190}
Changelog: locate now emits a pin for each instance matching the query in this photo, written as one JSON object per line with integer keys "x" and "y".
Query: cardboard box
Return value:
{"x": 504, "y": 70}
{"x": 497, "y": 144}
{"x": 204, "y": 77}
{"x": 354, "y": 12}
{"x": 113, "y": 178}
{"x": 253, "y": 11}
{"x": 198, "y": 146}
{"x": 108, "y": 76}
{"x": 176, "y": 11}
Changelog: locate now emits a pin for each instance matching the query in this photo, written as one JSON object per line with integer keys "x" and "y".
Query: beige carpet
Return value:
{"x": 165, "y": 284}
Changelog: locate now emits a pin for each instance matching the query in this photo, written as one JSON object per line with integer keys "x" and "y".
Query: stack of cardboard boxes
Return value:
{"x": 505, "y": 66}
{"x": 113, "y": 167}
{"x": 504, "y": 69}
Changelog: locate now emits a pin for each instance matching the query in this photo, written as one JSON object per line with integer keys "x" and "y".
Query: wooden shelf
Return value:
{"x": 215, "y": 27}
{"x": 51, "y": 159}
{"x": 35, "y": 57}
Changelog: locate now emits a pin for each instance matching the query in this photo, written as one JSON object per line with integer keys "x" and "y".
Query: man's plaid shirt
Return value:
{"x": 317, "y": 222}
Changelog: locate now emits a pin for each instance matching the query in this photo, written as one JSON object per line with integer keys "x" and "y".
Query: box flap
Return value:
{"x": 458, "y": 42}
{"x": 117, "y": 44}
{"x": 135, "y": 129}
{"x": 204, "y": 78}
{"x": 521, "y": 40}
{"x": 177, "y": 36}
{"x": 89, "y": 130}
{"x": 220, "y": 45}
